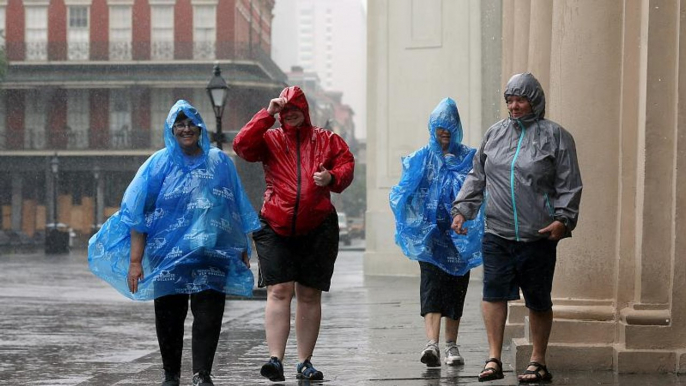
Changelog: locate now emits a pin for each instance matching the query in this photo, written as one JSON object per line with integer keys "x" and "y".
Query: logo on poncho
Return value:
{"x": 150, "y": 217}
{"x": 180, "y": 223}
{"x": 199, "y": 237}
{"x": 179, "y": 191}
{"x": 165, "y": 276}
{"x": 221, "y": 224}
{"x": 158, "y": 242}
{"x": 217, "y": 254}
{"x": 212, "y": 271}
{"x": 224, "y": 192}
{"x": 200, "y": 203}
{"x": 174, "y": 253}
{"x": 202, "y": 173}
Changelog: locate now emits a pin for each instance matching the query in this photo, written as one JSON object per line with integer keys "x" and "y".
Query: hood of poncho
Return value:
{"x": 170, "y": 143}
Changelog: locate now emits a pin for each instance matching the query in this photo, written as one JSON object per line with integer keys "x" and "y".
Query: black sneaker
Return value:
{"x": 307, "y": 371}
{"x": 202, "y": 378}
{"x": 273, "y": 370}
{"x": 171, "y": 379}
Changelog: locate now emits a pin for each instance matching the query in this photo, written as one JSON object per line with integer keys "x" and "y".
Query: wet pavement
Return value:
{"x": 60, "y": 325}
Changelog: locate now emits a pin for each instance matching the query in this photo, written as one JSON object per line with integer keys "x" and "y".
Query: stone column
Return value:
{"x": 520, "y": 45}
{"x": 585, "y": 276}
{"x": 651, "y": 326}
{"x": 540, "y": 35}
{"x": 507, "y": 48}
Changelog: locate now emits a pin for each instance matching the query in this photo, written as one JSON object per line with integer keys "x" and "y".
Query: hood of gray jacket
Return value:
{"x": 526, "y": 85}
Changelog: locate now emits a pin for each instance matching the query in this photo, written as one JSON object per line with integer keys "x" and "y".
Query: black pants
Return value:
{"x": 170, "y": 313}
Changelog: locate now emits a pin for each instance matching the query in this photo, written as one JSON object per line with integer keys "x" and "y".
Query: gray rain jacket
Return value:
{"x": 526, "y": 171}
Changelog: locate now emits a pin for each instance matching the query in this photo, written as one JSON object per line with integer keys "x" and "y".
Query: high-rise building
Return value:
{"x": 326, "y": 37}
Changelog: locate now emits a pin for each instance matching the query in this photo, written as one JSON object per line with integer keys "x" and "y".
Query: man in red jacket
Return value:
{"x": 298, "y": 243}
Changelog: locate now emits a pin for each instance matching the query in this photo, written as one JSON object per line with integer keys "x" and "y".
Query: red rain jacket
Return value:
{"x": 293, "y": 204}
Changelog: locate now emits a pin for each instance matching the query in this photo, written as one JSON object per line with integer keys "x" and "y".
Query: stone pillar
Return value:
{"x": 540, "y": 35}
{"x": 16, "y": 201}
{"x": 508, "y": 32}
{"x": 651, "y": 326}
{"x": 585, "y": 276}
{"x": 520, "y": 45}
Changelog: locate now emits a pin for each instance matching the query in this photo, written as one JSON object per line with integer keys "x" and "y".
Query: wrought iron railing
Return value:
{"x": 120, "y": 51}
{"x": 36, "y": 51}
{"x": 204, "y": 50}
{"x": 78, "y": 51}
{"x": 162, "y": 50}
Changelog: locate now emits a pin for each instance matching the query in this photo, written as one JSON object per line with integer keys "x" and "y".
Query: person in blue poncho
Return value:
{"x": 421, "y": 202}
{"x": 182, "y": 233}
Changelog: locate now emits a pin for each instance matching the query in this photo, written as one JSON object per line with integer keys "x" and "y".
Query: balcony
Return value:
{"x": 162, "y": 50}
{"x": 204, "y": 50}
{"x": 78, "y": 51}
{"x": 36, "y": 139}
{"x": 36, "y": 51}
{"x": 120, "y": 51}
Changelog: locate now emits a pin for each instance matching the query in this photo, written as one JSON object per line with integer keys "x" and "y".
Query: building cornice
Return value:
{"x": 28, "y": 75}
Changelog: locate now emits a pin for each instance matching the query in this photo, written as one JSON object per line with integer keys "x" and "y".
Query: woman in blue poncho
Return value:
{"x": 431, "y": 178}
{"x": 181, "y": 233}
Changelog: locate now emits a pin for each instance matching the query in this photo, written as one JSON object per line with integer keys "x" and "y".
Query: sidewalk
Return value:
{"x": 62, "y": 326}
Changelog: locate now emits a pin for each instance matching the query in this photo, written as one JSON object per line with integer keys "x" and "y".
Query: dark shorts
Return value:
{"x": 308, "y": 259}
{"x": 441, "y": 292}
{"x": 512, "y": 265}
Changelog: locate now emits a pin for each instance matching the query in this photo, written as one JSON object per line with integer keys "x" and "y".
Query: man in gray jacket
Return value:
{"x": 526, "y": 172}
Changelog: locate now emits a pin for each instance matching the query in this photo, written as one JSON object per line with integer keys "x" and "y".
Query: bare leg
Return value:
{"x": 432, "y": 326}
{"x": 495, "y": 315}
{"x": 541, "y": 324}
{"x": 277, "y": 317}
{"x": 452, "y": 326}
{"x": 308, "y": 317}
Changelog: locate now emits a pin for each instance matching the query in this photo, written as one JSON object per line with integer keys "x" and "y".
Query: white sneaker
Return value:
{"x": 431, "y": 355}
{"x": 452, "y": 356}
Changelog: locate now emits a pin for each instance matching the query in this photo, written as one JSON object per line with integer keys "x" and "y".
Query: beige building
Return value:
{"x": 614, "y": 76}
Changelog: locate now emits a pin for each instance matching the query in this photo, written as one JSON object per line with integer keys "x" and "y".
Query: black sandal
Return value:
{"x": 547, "y": 376}
{"x": 493, "y": 372}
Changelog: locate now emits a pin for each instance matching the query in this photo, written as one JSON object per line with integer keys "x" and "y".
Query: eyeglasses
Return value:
{"x": 182, "y": 125}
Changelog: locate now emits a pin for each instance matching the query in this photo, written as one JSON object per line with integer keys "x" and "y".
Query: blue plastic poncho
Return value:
{"x": 422, "y": 199}
{"x": 196, "y": 216}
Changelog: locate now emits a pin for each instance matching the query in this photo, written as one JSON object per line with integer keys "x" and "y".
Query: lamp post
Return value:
{"x": 55, "y": 168}
{"x": 98, "y": 198}
{"x": 56, "y": 241}
{"x": 218, "y": 91}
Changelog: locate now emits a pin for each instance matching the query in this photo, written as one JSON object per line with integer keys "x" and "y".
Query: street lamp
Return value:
{"x": 55, "y": 168}
{"x": 55, "y": 240}
{"x": 218, "y": 92}
{"x": 98, "y": 197}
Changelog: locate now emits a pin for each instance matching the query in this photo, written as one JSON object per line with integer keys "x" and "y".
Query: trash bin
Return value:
{"x": 56, "y": 239}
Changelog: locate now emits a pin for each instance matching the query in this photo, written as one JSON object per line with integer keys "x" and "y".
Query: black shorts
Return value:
{"x": 441, "y": 292}
{"x": 308, "y": 259}
{"x": 513, "y": 265}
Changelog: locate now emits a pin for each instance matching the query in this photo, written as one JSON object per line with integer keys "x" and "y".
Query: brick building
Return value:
{"x": 89, "y": 83}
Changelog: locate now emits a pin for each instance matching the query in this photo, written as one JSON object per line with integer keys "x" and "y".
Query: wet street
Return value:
{"x": 60, "y": 325}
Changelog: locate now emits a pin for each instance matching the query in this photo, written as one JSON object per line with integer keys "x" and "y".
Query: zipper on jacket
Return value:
{"x": 298, "y": 173}
{"x": 512, "y": 179}
{"x": 548, "y": 206}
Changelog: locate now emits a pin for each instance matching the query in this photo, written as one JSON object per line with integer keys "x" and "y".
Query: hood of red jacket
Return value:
{"x": 296, "y": 97}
